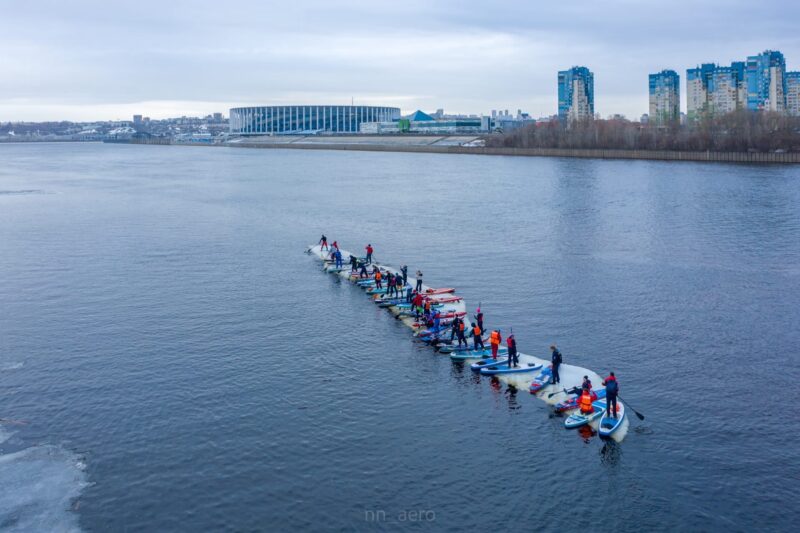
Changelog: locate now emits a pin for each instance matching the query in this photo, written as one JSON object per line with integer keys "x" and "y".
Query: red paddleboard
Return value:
{"x": 439, "y": 291}
{"x": 446, "y": 299}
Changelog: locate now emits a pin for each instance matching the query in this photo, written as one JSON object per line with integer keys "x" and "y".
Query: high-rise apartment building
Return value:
{"x": 766, "y": 81}
{"x": 665, "y": 96}
{"x": 793, "y": 93}
{"x": 715, "y": 89}
{"x": 575, "y": 94}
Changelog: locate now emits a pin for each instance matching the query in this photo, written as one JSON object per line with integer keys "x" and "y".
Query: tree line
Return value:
{"x": 741, "y": 131}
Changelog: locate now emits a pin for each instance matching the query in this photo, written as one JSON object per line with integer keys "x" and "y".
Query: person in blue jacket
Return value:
{"x": 612, "y": 390}
{"x": 338, "y": 256}
{"x": 556, "y": 360}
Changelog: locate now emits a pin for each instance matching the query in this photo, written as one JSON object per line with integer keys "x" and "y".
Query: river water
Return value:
{"x": 182, "y": 365}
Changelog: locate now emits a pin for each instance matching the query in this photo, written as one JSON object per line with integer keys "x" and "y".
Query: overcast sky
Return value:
{"x": 107, "y": 59}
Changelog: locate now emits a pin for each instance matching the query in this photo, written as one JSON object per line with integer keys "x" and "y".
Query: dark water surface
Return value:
{"x": 183, "y": 366}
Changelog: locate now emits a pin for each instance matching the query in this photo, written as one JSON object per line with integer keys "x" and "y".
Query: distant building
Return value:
{"x": 217, "y": 117}
{"x": 137, "y": 119}
{"x": 793, "y": 93}
{"x": 575, "y": 94}
{"x": 298, "y": 119}
{"x": 714, "y": 89}
{"x": 420, "y": 122}
{"x": 665, "y": 96}
{"x": 766, "y": 81}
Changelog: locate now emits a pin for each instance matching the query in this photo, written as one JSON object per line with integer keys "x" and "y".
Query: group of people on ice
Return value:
{"x": 397, "y": 287}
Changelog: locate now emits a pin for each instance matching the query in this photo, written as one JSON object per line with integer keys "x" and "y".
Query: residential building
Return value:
{"x": 766, "y": 81}
{"x": 793, "y": 93}
{"x": 665, "y": 96}
{"x": 715, "y": 89}
{"x": 575, "y": 94}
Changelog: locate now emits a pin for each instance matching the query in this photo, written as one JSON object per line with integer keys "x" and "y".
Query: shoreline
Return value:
{"x": 451, "y": 145}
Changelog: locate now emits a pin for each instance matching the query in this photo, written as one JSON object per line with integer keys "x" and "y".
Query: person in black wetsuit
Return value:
{"x": 404, "y": 270}
{"x": 513, "y": 358}
{"x": 479, "y": 320}
{"x": 557, "y": 360}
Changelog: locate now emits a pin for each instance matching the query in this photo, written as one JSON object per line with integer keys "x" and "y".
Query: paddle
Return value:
{"x": 557, "y": 392}
{"x": 637, "y": 413}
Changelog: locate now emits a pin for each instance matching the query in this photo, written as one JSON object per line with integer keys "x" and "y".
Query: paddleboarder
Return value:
{"x": 612, "y": 390}
{"x": 390, "y": 285}
{"x": 363, "y": 273}
{"x": 556, "y": 359}
{"x": 369, "y": 253}
{"x": 585, "y": 402}
{"x": 461, "y": 338}
{"x": 409, "y": 291}
{"x": 335, "y": 245}
{"x": 419, "y": 281}
{"x": 353, "y": 263}
{"x": 338, "y": 256}
{"x": 324, "y": 242}
{"x": 479, "y": 318}
{"x": 404, "y": 270}
{"x": 378, "y": 277}
{"x": 476, "y": 336}
{"x": 513, "y": 358}
{"x": 454, "y": 328}
{"x": 495, "y": 339}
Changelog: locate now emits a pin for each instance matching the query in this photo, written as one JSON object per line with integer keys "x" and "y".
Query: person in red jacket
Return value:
{"x": 369, "y": 253}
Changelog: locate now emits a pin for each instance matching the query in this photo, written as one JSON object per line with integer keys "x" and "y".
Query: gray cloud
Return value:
{"x": 93, "y": 59}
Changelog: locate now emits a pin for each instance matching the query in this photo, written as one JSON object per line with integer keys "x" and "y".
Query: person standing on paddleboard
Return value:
{"x": 513, "y": 358}
{"x": 476, "y": 337}
{"x": 612, "y": 390}
{"x": 324, "y": 242}
{"x": 419, "y": 281}
{"x": 556, "y": 360}
{"x": 369, "y": 253}
{"x": 404, "y": 270}
{"x": 390, "y": 285}
{"x": 479, "y": 318}
{"x": 495, "y": 339}
{"x": 461, "y": 338}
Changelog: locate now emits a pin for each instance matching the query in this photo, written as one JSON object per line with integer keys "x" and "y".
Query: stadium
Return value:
{"x": 306, "y": 119}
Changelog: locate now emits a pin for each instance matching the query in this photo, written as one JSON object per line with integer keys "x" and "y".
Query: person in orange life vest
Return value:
{"x": 461, "y": 338}
{"x": 612, "y": 389}
{"x": 427, "y": 306}
{"x": 369, "y": 253}
{"x": 476, "y": 335}
{"x": 378, "y": 277}
{"x": 513, "y": 358}
{"x": 495, "y": 339}
{"x": 585, "y": 402}
{"x": 324, "y": 242}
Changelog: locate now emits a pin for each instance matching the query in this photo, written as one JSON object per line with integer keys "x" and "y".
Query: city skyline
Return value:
{"x": 85, "y": 61}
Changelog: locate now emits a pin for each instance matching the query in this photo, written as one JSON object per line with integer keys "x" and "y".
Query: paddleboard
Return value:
{"x": 576, "y": 420}
{"x": 608, "y": 425}
{"x": 487, "y": 362}
{"x": 572, "y": 403}
{"x": 542, "y": 380}
{"x": 504, "y": 369}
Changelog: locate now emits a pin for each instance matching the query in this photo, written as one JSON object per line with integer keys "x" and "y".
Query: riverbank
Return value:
{"x": 461, "y": 144}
